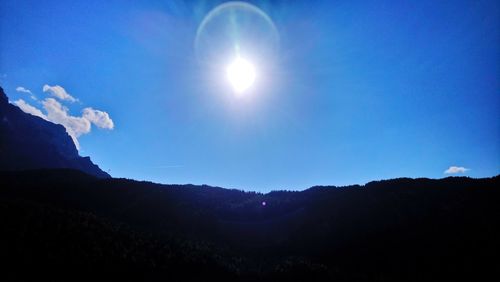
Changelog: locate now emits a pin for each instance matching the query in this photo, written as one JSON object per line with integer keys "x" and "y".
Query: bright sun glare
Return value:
{"x": 241, "y": 74}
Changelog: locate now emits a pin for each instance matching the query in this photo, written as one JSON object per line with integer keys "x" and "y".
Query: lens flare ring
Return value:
{"x": 235, "y": 17}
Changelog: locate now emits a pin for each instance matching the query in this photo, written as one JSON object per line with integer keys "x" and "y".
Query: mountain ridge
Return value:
{"x": 30, "y": 142}
{"x": 64, "y": 218}
{"x": 401, "y": 229}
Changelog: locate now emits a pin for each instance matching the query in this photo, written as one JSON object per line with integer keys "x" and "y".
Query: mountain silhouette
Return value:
{"x": 62, "y": 218}
{"x": 30, "y": 142}
{"x": 63, "y": 224}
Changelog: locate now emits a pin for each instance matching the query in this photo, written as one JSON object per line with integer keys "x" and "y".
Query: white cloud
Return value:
{"x": 57, "y": 113}
{"x": 23, "y": 90}
{"x": 59, "y": 92}
{"x": 456, "y": 169}
{"x": 98, "y": 118}
{"x": 75, "y": 126}
{"x": 27, "y": 108}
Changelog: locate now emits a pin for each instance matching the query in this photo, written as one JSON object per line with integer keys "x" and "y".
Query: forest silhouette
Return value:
{"x": 61, "y": 224}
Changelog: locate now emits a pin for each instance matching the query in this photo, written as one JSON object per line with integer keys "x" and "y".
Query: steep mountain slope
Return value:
{"x": 30, "y": 142}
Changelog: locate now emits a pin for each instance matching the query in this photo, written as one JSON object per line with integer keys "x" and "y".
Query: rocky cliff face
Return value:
{"x": 30, "y": 142}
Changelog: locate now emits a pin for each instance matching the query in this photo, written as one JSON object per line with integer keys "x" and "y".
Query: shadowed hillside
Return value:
{"x": 67, "y": 224}
{"x": 30, "y": 142}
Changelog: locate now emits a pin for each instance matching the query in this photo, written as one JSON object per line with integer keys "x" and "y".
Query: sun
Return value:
{"x": 241, "y": 74}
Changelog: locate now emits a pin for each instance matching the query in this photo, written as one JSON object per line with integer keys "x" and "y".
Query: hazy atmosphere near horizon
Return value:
{"x": 263, "y": 95}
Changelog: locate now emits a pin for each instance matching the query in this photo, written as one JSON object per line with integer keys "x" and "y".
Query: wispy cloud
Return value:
{"x": 456, "y": 169}
{"x": 167, "y": 166}
{"x": 75, "y": 126}
{"x": 59, "y": 92}
{"x": 98, "y": 118}
{"x": 57, "y": 113}
{"x": 27, "y": 108}
{"x": 23, "y": 90}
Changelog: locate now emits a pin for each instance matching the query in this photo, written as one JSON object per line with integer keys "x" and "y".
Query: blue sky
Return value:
{"x": 358, "y": 91}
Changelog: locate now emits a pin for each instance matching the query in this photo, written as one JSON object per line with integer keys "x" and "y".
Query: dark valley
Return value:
{"x": 66, "y": 224}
